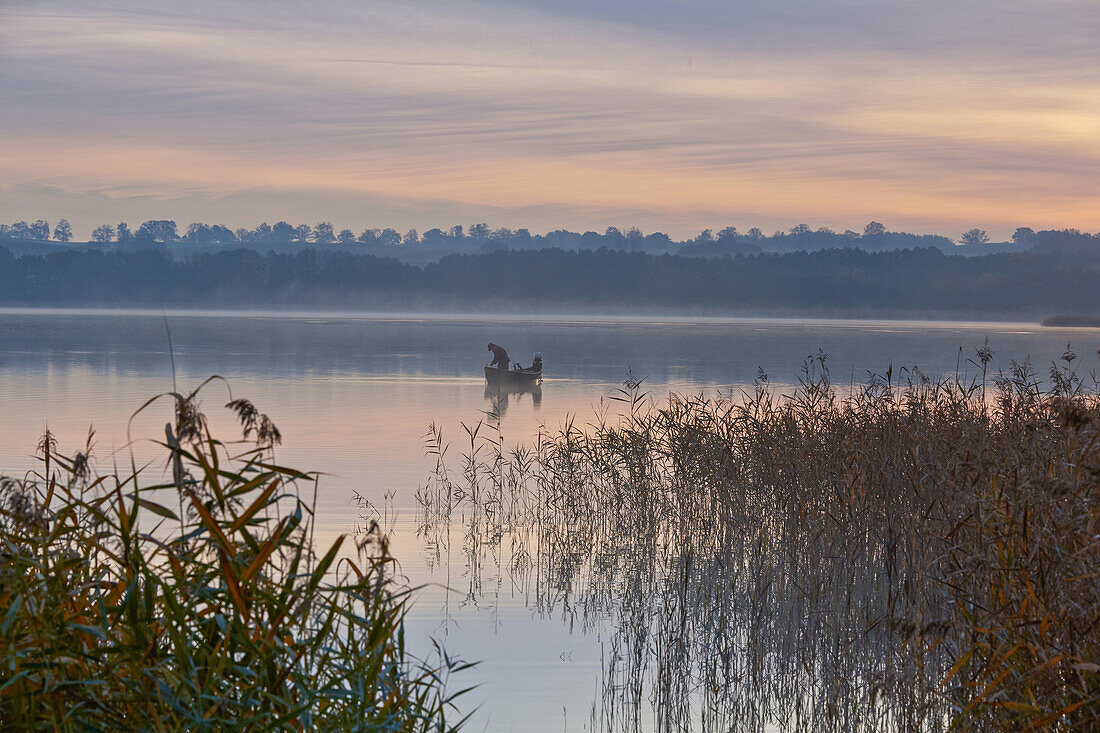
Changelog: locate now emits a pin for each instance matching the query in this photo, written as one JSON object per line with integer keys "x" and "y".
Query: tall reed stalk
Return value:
{"x": 192, "y": 599}
{"x": 917, "y": 555}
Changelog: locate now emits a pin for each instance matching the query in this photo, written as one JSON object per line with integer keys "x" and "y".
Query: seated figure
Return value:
{"x": 536, "y": 363}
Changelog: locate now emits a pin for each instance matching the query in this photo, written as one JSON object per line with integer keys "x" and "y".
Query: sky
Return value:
{"x": 930, "y": 116}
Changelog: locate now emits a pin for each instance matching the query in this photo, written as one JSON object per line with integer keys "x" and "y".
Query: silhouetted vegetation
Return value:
{"x": 803, "y": 239}
{"x": 483, "y": 238}
{"x": 1060, "y": 274}
{"x": 193, "y": 598}
{"x": 1072, "y": 321}
{"x": 917, "y": 555}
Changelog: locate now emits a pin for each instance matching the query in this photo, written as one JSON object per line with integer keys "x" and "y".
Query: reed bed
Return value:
{"x": 191, "y": 598}
{"x": 915, "y": 554}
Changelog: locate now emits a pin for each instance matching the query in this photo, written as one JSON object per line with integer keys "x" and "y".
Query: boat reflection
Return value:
{"x": 500, "y": 395}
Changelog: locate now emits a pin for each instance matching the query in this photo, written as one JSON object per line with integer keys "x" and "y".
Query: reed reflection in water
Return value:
{"x": 907, "y": 557}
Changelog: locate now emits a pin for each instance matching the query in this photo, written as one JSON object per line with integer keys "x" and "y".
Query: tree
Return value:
{"x": 225, "y": 235}
{"x": 389, "y": 237}
{"x": 63, "y": 232}
{"x": 1023, "y": 235}
{"x": 480, "y": 231}
{"x": 434, "y": 237}
{"x": 658, "y": 241}
{"x": 975, "y": 236}
{"x": 456, "y": 232}
{"x": 282, "y": 232}
{"x": 370, "y": 236}
{"x": 264, "y": 233}
{"x": 302, "y": 233}
{"x": 322, "y": 233}
{"x": 123, "y": 233}
{"x": 850, "y": 234}
{"x": 20, "y": 230}
{"x": 40, "y": 230}
{"x": 157, "y": 230}
{"x": 211, "y": 233}
{"x": 243, "y": 235}
{"x": 800, "y": 229}
{"x": 874, "y": 229}
{"x": 198, "y": 233}
{"x": 411, "y": 237}
{"x": 346, "y": 236}
{"x": 727, "y": 233}
{"x": 103, "y": 233}
{"x": 755, "y": 233}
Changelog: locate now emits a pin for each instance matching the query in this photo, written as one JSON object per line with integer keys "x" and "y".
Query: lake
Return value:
{"x": 354, "y": 396}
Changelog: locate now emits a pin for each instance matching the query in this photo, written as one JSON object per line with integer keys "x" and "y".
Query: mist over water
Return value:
{"x": 354, "y": 396}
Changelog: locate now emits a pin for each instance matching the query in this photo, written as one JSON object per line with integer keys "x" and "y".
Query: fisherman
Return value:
{"x": 536, "y": 363}
{"x": 500, "y": 356}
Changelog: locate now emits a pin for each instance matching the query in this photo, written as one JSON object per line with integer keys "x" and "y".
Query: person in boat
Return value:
{"x": 536, "y": 363}
{"x": 500, "y": 356}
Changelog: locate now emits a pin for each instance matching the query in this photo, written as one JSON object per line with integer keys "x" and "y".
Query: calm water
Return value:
{"x": 354, "y": 395}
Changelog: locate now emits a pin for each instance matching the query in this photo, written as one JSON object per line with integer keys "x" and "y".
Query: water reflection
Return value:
{"x": 354, "y": 395}
{"x": 768, "y": 561}
{"x": 684, "y": 354}
{"x": 500, "y": 395}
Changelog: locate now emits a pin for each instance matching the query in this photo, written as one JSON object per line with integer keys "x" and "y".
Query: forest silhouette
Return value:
{"x": 799, "y": 272}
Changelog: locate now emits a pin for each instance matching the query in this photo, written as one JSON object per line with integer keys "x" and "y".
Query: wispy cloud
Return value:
{"x": 679, "y": 115}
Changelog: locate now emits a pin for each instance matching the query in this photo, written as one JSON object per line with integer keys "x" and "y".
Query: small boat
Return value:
{"x": 512, "y": 377}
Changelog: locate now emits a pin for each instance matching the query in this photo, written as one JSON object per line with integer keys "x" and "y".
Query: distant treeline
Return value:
{"x": 483, "y": 238}
{"x": 1061, "y": 277}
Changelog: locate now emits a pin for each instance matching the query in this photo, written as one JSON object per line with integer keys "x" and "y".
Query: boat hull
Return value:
{"x": 511, "y": 377}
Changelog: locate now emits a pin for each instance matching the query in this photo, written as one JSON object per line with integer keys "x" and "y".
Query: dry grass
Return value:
{"x": 196, "y": 602}
{"x": 917, "y": 555}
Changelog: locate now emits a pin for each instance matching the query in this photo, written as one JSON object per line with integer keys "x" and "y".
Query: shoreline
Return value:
{"x": 1063, "y": 321}
{"x": 579, "y": 317}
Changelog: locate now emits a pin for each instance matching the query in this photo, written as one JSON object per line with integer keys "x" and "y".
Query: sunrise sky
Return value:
{"x": 931, "y": 116}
